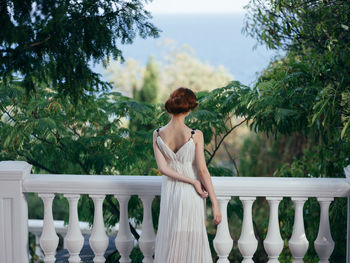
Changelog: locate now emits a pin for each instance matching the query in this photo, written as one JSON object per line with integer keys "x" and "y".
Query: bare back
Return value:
{"x": 176, "y": 136}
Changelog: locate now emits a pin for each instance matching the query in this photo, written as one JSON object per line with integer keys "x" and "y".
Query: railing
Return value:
{"x": 15, "y": 180}
{"x": 35, "y": 226}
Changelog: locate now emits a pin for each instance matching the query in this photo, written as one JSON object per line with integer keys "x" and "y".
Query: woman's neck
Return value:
{"x": 177, "y": 120}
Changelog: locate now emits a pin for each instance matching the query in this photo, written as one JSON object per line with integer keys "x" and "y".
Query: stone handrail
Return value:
{"x": 224, "y": 186}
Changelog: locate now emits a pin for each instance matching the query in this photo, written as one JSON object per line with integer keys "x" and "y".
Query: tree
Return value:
{"x": 150, "y": 86}
{"x": 318, "y": 33}
{"x": 178, "y": 67}
{"x": 52, "y": 42}
{"x": 147, "y": 94}
{"x": 307, "y": 90}
{"x": 305, "y": 95}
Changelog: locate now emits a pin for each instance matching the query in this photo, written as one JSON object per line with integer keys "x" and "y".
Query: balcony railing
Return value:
{"x": 15, "y": 180}
{"x": 35, "y": 226}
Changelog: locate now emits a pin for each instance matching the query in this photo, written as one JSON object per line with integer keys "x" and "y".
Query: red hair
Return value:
{"x": 181, "y": 100}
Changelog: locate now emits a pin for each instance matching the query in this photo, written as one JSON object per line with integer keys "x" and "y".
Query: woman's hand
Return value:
{"x": 200, "y": 188}
{"x": 217, "y": 214}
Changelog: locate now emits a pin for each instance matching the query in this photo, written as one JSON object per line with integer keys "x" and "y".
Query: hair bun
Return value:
{"x": 181, "y": 100}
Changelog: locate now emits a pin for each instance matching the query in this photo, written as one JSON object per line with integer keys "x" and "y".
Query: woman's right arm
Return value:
{"x": 163, "y": 166}
{"x": 205, "y": 176}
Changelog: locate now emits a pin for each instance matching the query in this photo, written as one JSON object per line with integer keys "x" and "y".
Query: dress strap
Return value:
{"x": 158, "y": 129}
{"x": 192, "y": 132}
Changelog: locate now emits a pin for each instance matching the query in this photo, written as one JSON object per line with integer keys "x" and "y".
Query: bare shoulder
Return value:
{"x": 197, "y": 136}
{"x": 198, "y": 132}
{"x": 155, "y": 133}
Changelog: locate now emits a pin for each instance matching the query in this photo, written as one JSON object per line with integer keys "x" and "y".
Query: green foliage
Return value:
{"x": 87, "y": 139}
{"x": 215, "y": 114}
{"x": 303, "y": 100}
{"x": 284, "y": 90}
{"x": 147, "y": 94}
{"x": 317, "y": 35}
{"x": 31, "y": 243}
{"x": 307, "y": 91}
{"x": 290, "y": 102}
{"x": 52, "y": 42}
{"x": 150, "y": 87}
{"x": 299, "y": 25}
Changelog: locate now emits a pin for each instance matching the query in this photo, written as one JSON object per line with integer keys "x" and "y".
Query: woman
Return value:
{"x": 186, "y": 183}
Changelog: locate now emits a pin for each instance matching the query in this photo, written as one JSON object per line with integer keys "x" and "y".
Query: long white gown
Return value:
{"x": 181, "y": 235}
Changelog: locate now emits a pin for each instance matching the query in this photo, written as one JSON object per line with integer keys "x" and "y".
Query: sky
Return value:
{"x": 196, "y": 6}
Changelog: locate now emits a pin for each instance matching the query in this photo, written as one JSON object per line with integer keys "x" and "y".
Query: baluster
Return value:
{"x": 124, "y": 240}
{"x": 324, "y": 243}
{"x": 74, "y": 240}
{"x": 147, "y": 239}
{"x": 273, "y": 243}
{"x": 223, "y": 242}
{"x": 298, "y": 243}
{"x": 247, "y": 242}
{"x": 49, "y": 239}
{"x": 98, "y": 239}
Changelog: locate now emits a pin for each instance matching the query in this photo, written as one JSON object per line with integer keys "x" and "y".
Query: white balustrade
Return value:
{"x": 247, "y": 242}
{"x": 124, "y": 240}
{"x": 223, "y": 242}
{"x": 273, "y": 242}
{"x": 16, "y": 181}
{"x": 98, "y": 239}
{"x": 74, "y": 240}
{"x": 324, "y": 243}
{"x": 147, "y": 239}
{"x": 48, "y": 239}
{"x": 298, "y": 243}
{"x": 35, "y": 226}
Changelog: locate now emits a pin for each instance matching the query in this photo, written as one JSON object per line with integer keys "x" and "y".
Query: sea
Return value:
{"x": 215, "y": 38}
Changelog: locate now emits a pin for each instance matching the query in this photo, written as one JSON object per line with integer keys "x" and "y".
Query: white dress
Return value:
{"x": 181, "y": 235}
